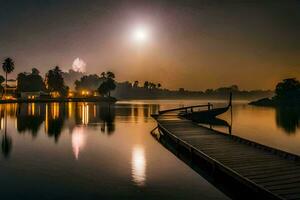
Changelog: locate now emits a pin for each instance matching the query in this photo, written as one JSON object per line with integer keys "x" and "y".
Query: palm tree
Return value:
{"x": 2, "y": 79}
{"x": 107, "y": 86}
{"x": 110, "y": 75}
{"x": 153, "y": 86}
{"x": 103, "y": 74}
{"x": 103, "y": 89}
{"x": 35, "y": 71}
{"x": 8, "y": 66}
{"x": 136, "y": 84}
{"x": 146, "y": 84}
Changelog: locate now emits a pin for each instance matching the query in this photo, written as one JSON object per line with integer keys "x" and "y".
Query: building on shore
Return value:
{"x": 10, "y": 90}
{"x": 33, "y": 95}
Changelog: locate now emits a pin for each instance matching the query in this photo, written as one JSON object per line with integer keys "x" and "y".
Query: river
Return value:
{"x": 92, "y": 151}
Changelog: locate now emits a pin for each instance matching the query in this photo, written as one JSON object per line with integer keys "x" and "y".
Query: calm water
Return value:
{"x": 87, "y": 150}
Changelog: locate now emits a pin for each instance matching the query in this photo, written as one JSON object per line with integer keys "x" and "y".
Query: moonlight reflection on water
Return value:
{"x": 138, "y": 165}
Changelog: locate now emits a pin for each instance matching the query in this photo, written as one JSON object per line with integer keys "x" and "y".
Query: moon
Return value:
{"x": 140, "y": 34}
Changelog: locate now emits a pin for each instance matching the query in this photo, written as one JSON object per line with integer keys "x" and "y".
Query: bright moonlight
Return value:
{"x": 140, "y": 34}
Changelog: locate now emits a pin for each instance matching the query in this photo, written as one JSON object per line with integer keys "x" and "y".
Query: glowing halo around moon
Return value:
{"x": 140, "y": 34}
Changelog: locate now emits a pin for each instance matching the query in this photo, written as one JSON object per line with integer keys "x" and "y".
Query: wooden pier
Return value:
{"x": 266, "y": 172}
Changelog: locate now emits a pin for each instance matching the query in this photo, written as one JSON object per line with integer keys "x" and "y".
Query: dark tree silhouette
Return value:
{"x": 89, "y": 82}
{"x": 146, "y": 84}
{"x": 103, "y": 74}
{"x": 226, "y": 90}
{"x": 30, "y": 82}
{"x": 288, "y": 88}
{"x": 8, "y": 66}
{"x": 106, "y": 87}
{"x": 108, "y": 84}
{"x": 287, "y": 94}
{"x": 55, "y": 82}
{"x": 110, "y": 75}
{"x": 103, "y": 89}
{"x": 35, "y": 71}
{"x": 136, "y": 84}
{"x": 2, "y": 79}
{"x": 152, "y": 86}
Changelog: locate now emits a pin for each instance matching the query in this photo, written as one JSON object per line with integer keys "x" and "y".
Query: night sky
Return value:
{"x": 191, "y": 44}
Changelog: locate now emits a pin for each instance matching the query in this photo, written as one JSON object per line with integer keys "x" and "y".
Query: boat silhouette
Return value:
{"x": 210, "y": 113}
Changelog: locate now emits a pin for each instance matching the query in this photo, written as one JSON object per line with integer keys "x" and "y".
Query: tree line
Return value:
{"x": 54, "y": 81}
{"x": 147, "y": 85}
{"x": 287, "y": 94}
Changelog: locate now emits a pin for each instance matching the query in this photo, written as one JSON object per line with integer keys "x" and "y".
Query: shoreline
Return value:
{"x": 61, "y": 100}
{"x": 267, "y": 102}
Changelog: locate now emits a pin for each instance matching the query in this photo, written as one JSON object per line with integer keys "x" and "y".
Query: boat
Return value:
{"x": 214, "y": 122}
{"x": 210, "y": 113}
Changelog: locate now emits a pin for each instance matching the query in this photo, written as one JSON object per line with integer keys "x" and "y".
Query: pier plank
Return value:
{"x": 264, "y": 167}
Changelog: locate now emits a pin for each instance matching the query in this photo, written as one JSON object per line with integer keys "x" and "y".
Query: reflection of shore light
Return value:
{"x": 95, "y": 111}
{"x": 70, "y": 109}
{"x": 46, "y": 119}
{"x": 31, "y": 109}
{"x": 2, "y": 123}
{"x": 55, "y": 110}
{"x": 78, "y": 140}
{"x": 85, "y": 114}
{"x": 138, "y": 170}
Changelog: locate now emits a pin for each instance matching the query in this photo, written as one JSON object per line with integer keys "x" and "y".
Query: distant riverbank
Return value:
{"x": 267, "y": 102}
{"x": 46, "y": 100}
{"x": 263, "y": 102}
{"x": 287, "y": 94}
{"x": 199, "y": 98}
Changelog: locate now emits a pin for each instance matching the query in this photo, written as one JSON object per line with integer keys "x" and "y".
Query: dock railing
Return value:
{"x": 187, "y": 108}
